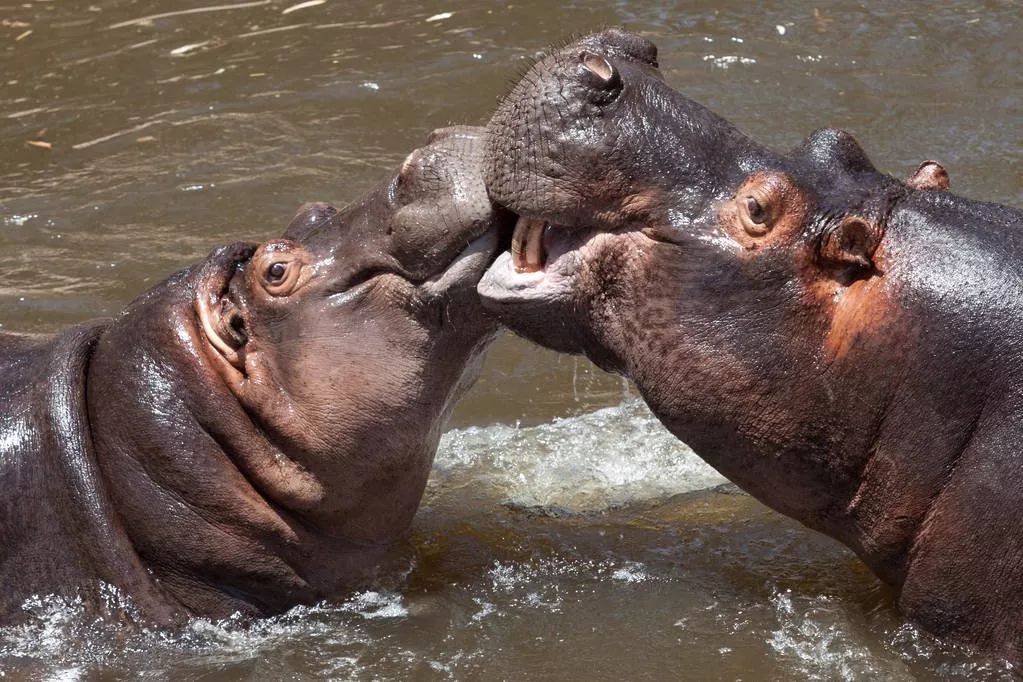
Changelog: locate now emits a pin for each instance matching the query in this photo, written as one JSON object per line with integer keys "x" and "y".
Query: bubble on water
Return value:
{"x": 630, "y": 573}
{"x": 69, "y": 639}
{"x": 728, "y": 60}
{"x": 17, "y": 220}
{"x": 486, "y": 609}
{"x": 545, "y": 584}
{"x": 821, "y": 645}
{"x": 376, "y": 605}
{"x": 949, "y": 660}
{"x": 61, "y": 629}
{"x": 73, "y": 674}
{"x": 591, "y": 462}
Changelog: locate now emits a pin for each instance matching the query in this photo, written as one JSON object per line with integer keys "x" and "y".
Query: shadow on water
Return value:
{"x": 138, "y": 135}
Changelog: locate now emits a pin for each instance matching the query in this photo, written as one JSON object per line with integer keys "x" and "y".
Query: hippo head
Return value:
{"x": 356, "y": 331}
{"x": 646, "y": 219}
{"x": 323, "y": 363}
{"x": 754, "y": 297}
{"x": 390, "y": 277}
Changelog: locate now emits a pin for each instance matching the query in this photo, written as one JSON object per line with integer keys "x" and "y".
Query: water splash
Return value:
{"x": 592, "y": 462}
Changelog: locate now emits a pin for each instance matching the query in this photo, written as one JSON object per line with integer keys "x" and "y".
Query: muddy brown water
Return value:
{"x": 564, "y": 535}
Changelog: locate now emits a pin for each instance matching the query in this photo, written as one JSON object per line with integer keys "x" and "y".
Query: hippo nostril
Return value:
{"x": 621, "y": 44}
{"x": 600, "y": 74}
{"x": 408, "y": 164}
{"x": 597, "y": 65}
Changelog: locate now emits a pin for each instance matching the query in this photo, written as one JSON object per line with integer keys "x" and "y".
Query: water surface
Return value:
{"x": 592, "y": 547}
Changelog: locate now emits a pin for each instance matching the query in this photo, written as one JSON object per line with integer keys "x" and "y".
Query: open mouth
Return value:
{"x": 540, "y": 265}
{"x": 537, "y": 242}
{"x": 468, "y": 265}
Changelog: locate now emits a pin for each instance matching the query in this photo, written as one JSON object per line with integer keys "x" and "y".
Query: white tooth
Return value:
{"x": 519, "y": 237}
{"x": 527, "y": 244}
{"x": 534, "y": 245}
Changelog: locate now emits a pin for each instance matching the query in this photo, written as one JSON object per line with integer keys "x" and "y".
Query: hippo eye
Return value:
{"x": 279, "y": 267}
{"x": 756, "y": 212}
{"x": 276, "y": 272}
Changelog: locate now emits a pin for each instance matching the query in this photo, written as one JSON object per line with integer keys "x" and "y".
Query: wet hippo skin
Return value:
{"x": 255, "y": 431}
{"x": 845, "y": 346}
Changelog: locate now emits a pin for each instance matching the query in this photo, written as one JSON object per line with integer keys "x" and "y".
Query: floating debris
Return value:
{"x": 440, "y": 17}
{"x": 276, "y": 29}
{"x": 821, "y": 23}
{"x": 185, "y": 49}
{"x": 41, "y": 144}
{"x": 24, "y": 35}
{"x": 303, "y": 5}
{"x": 728, "y": 60}
{"x": 196, "y": 187}
{"x": 780, "y": 29}
{"x": 141, "y": 21}
{"x": 119, "y": 133}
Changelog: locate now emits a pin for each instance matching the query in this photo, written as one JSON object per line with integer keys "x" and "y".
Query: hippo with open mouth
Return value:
{"x": 845, "y": 346}
{"x": 253, "y": 432}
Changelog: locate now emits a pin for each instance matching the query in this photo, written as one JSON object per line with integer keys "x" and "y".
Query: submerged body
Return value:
{"x": 256, "y": 431}
{"x": 845, "y": 346}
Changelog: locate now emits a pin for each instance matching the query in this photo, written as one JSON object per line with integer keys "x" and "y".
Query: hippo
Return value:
{"x": 256, "y": 431}
{"x": 845, "y": 346}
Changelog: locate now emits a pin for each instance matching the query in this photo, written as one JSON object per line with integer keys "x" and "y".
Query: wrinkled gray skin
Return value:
{"x": 256, "y": 431}
{"x": 845, "y": 346}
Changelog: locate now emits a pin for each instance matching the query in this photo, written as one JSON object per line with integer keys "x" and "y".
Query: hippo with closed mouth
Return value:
{"x": 254, "y": 432}
{"x": 845, "y": 346}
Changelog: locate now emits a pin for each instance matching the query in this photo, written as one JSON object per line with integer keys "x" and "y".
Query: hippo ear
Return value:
{"x": 310, "y": 217}
{"x": 833, "y": 148}
{"x": 220, "y": 318}
{"x": 929, "y": 175}
{"x": 850, "y": 244}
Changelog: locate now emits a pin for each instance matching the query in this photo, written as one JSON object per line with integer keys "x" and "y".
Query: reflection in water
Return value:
{"x": 580, "y": 549}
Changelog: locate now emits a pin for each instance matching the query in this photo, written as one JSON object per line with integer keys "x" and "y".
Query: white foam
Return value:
{"x": 591, "y": 462}
{"x": 821, "y": 644}
{"x": 372, "y": 605}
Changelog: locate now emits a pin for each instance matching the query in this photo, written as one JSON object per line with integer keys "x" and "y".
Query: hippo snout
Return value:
{"x": 621, "y": 44}
{"x": 552, "y": 144}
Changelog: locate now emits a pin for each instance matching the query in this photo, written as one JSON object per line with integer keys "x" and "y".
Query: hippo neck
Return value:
{"x": 169, "y": 435}
{"x": 834, "y": 436}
